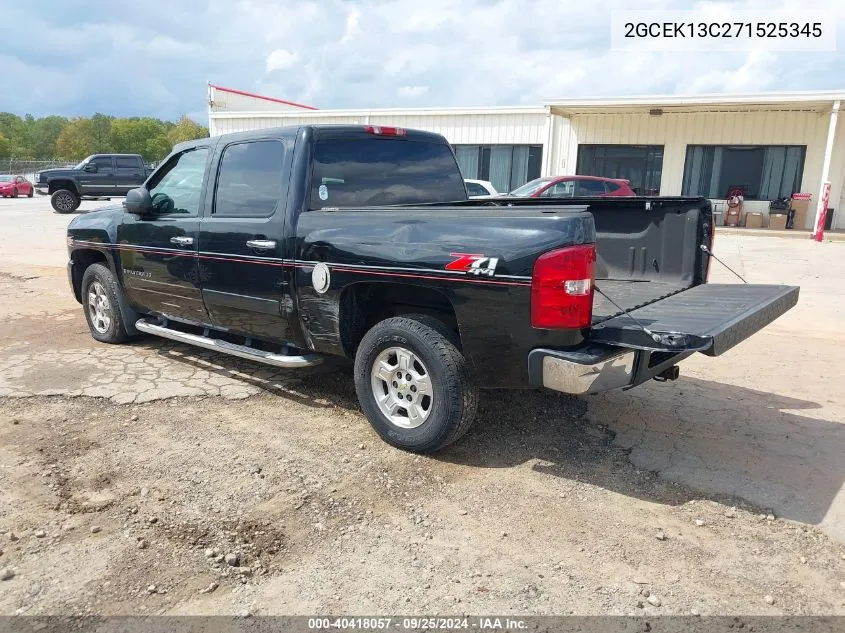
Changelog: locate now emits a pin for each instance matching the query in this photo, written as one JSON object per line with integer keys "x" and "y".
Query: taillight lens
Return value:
{"x": 385, "y": 130}
{"x": 562, "y": 288}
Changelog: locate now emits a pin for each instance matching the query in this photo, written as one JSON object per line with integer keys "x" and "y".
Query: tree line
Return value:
{"x": 61, "y": 138}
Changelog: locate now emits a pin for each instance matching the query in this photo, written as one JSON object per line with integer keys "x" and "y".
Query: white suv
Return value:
{"x": 480, "y": 189}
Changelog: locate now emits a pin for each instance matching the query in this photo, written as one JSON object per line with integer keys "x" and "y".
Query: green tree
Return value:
{"x": 186, "y": 130}
{"x": 75, "y": 140}
{"x": 100, "y": 132}
{"x": 130, "y": 136}
{"x": 156, "y": 148}
{"x": 58, "y": 137}
{"x": 5, "y": 146}
{"x": 44, "y": 134}
{"x": 15, "y": 130}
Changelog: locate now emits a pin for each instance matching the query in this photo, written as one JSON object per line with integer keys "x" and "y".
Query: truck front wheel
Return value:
{"x": 64, "y": 201}
{"x": 101, "y": 302}
{"x": 414, "y": 385}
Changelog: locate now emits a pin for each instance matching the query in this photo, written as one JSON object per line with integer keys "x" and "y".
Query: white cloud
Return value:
{"x": 366, "y": 53}
{"x": 352, "y": 29}
{"x": 280, "y": 59}
{"x": 412, "y": 91}
{"x": 755, "y": 72}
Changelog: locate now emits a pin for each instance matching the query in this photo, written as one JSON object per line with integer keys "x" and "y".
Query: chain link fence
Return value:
{"x": 28, "y": 168}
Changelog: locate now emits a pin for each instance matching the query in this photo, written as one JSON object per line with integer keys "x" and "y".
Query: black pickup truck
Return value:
{"x": 289, "y": 245}
{"x": 98, "y": 176}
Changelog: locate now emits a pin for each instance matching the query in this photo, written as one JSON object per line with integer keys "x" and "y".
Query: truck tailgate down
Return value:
{"x": 709, "y": 318}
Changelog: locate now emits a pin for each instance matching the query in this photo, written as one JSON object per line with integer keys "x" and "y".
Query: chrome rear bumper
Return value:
{"x": 594, "y": 368}
{"x": 570, "y": 376}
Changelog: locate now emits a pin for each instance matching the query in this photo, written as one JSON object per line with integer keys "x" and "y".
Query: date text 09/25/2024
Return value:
{"x": 417, "y": 623}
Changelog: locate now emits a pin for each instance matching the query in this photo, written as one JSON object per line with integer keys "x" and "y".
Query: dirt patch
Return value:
{"x": 534, "y": 512}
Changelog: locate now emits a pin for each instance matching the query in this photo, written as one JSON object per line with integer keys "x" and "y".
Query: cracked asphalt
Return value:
{"x": 550, "y": 504}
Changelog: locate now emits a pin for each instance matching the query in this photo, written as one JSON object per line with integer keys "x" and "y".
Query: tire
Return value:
{"x": 31, "y": 192}
{"x": 438, "y": 326}
{"x": 64, "y": 201}
{"x": 101, "y": 304}
{"x": 14, "y": 192}
{"x": 452, "y": 394}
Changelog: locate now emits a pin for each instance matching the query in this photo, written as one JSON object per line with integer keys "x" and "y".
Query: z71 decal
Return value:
{"x": 473, "y": 264}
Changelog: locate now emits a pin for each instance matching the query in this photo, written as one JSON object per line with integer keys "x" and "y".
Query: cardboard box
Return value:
{"x": 777, "y": 221}
{"x": 802, "y": 209}
{"x": 754, "y": 220}
{"x": 799, "y": 221}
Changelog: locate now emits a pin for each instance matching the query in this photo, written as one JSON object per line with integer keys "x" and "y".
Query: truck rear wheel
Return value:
{"x": 101, "y": 302}
{"x": 414, "y": 385}
{"x": 64, "y": 201}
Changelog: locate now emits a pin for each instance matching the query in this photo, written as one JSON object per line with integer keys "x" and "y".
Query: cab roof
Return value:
{"x": 317, "y": 130}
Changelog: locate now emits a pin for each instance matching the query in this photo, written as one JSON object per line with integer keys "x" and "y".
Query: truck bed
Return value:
{"x": 630, "y": 294}
{"x": 647, "y": 250}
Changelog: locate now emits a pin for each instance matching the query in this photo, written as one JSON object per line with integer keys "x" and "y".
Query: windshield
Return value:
{"x": 82, "y": 164}
{"x": 5, "y": 179}
{"x": 530, "y": 187}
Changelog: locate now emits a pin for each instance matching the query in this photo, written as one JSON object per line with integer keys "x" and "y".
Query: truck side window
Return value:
{"x": 249, "y": 179}
{"x": 103, "y": 163}
{"x": 177, "y": 187}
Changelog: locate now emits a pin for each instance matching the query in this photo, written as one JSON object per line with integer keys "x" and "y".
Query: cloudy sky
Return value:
{"x": 153, "y": 57}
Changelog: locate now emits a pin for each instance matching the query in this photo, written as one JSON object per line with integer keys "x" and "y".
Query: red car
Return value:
{"x": 574, "y": 187}
{"x": 14, "y": 186}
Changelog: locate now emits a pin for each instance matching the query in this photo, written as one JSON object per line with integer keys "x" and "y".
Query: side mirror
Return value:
{"x": 138, "y": 202}
{"x": 90, "y": 168}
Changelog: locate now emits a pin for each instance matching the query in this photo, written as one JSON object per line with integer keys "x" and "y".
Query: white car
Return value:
{"x": 480, "y": 189}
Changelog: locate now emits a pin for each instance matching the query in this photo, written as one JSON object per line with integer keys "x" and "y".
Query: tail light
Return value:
{"x": 382, "y": 130}
{"x": 562, "y": 288}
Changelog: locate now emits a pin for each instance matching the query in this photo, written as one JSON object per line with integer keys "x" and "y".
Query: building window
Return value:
{"x": 506, "y": 166}
{"x": 642, "y": 165}
{"x": 762, "y": 172}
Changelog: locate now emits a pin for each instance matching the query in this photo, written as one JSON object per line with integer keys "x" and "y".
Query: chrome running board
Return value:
{"x": 225, "y": 347}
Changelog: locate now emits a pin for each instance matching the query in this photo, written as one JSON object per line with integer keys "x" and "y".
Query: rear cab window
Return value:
{"x": 127, "y": 163}
{"x": 359, "y": 170}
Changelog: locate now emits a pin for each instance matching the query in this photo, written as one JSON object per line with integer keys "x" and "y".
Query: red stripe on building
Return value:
{"x": 265, "y": 98}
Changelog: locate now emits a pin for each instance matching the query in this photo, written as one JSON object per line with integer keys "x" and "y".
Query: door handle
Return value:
{"x": 182, "y": 241}
{"x": 261, "y": 245}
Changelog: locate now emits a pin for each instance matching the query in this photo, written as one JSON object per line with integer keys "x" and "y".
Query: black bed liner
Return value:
{"x": 709, "y": 318}
{"x": 630, "y": 294}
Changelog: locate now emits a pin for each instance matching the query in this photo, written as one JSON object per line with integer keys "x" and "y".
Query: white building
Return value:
{"x": 771, "y": 145}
